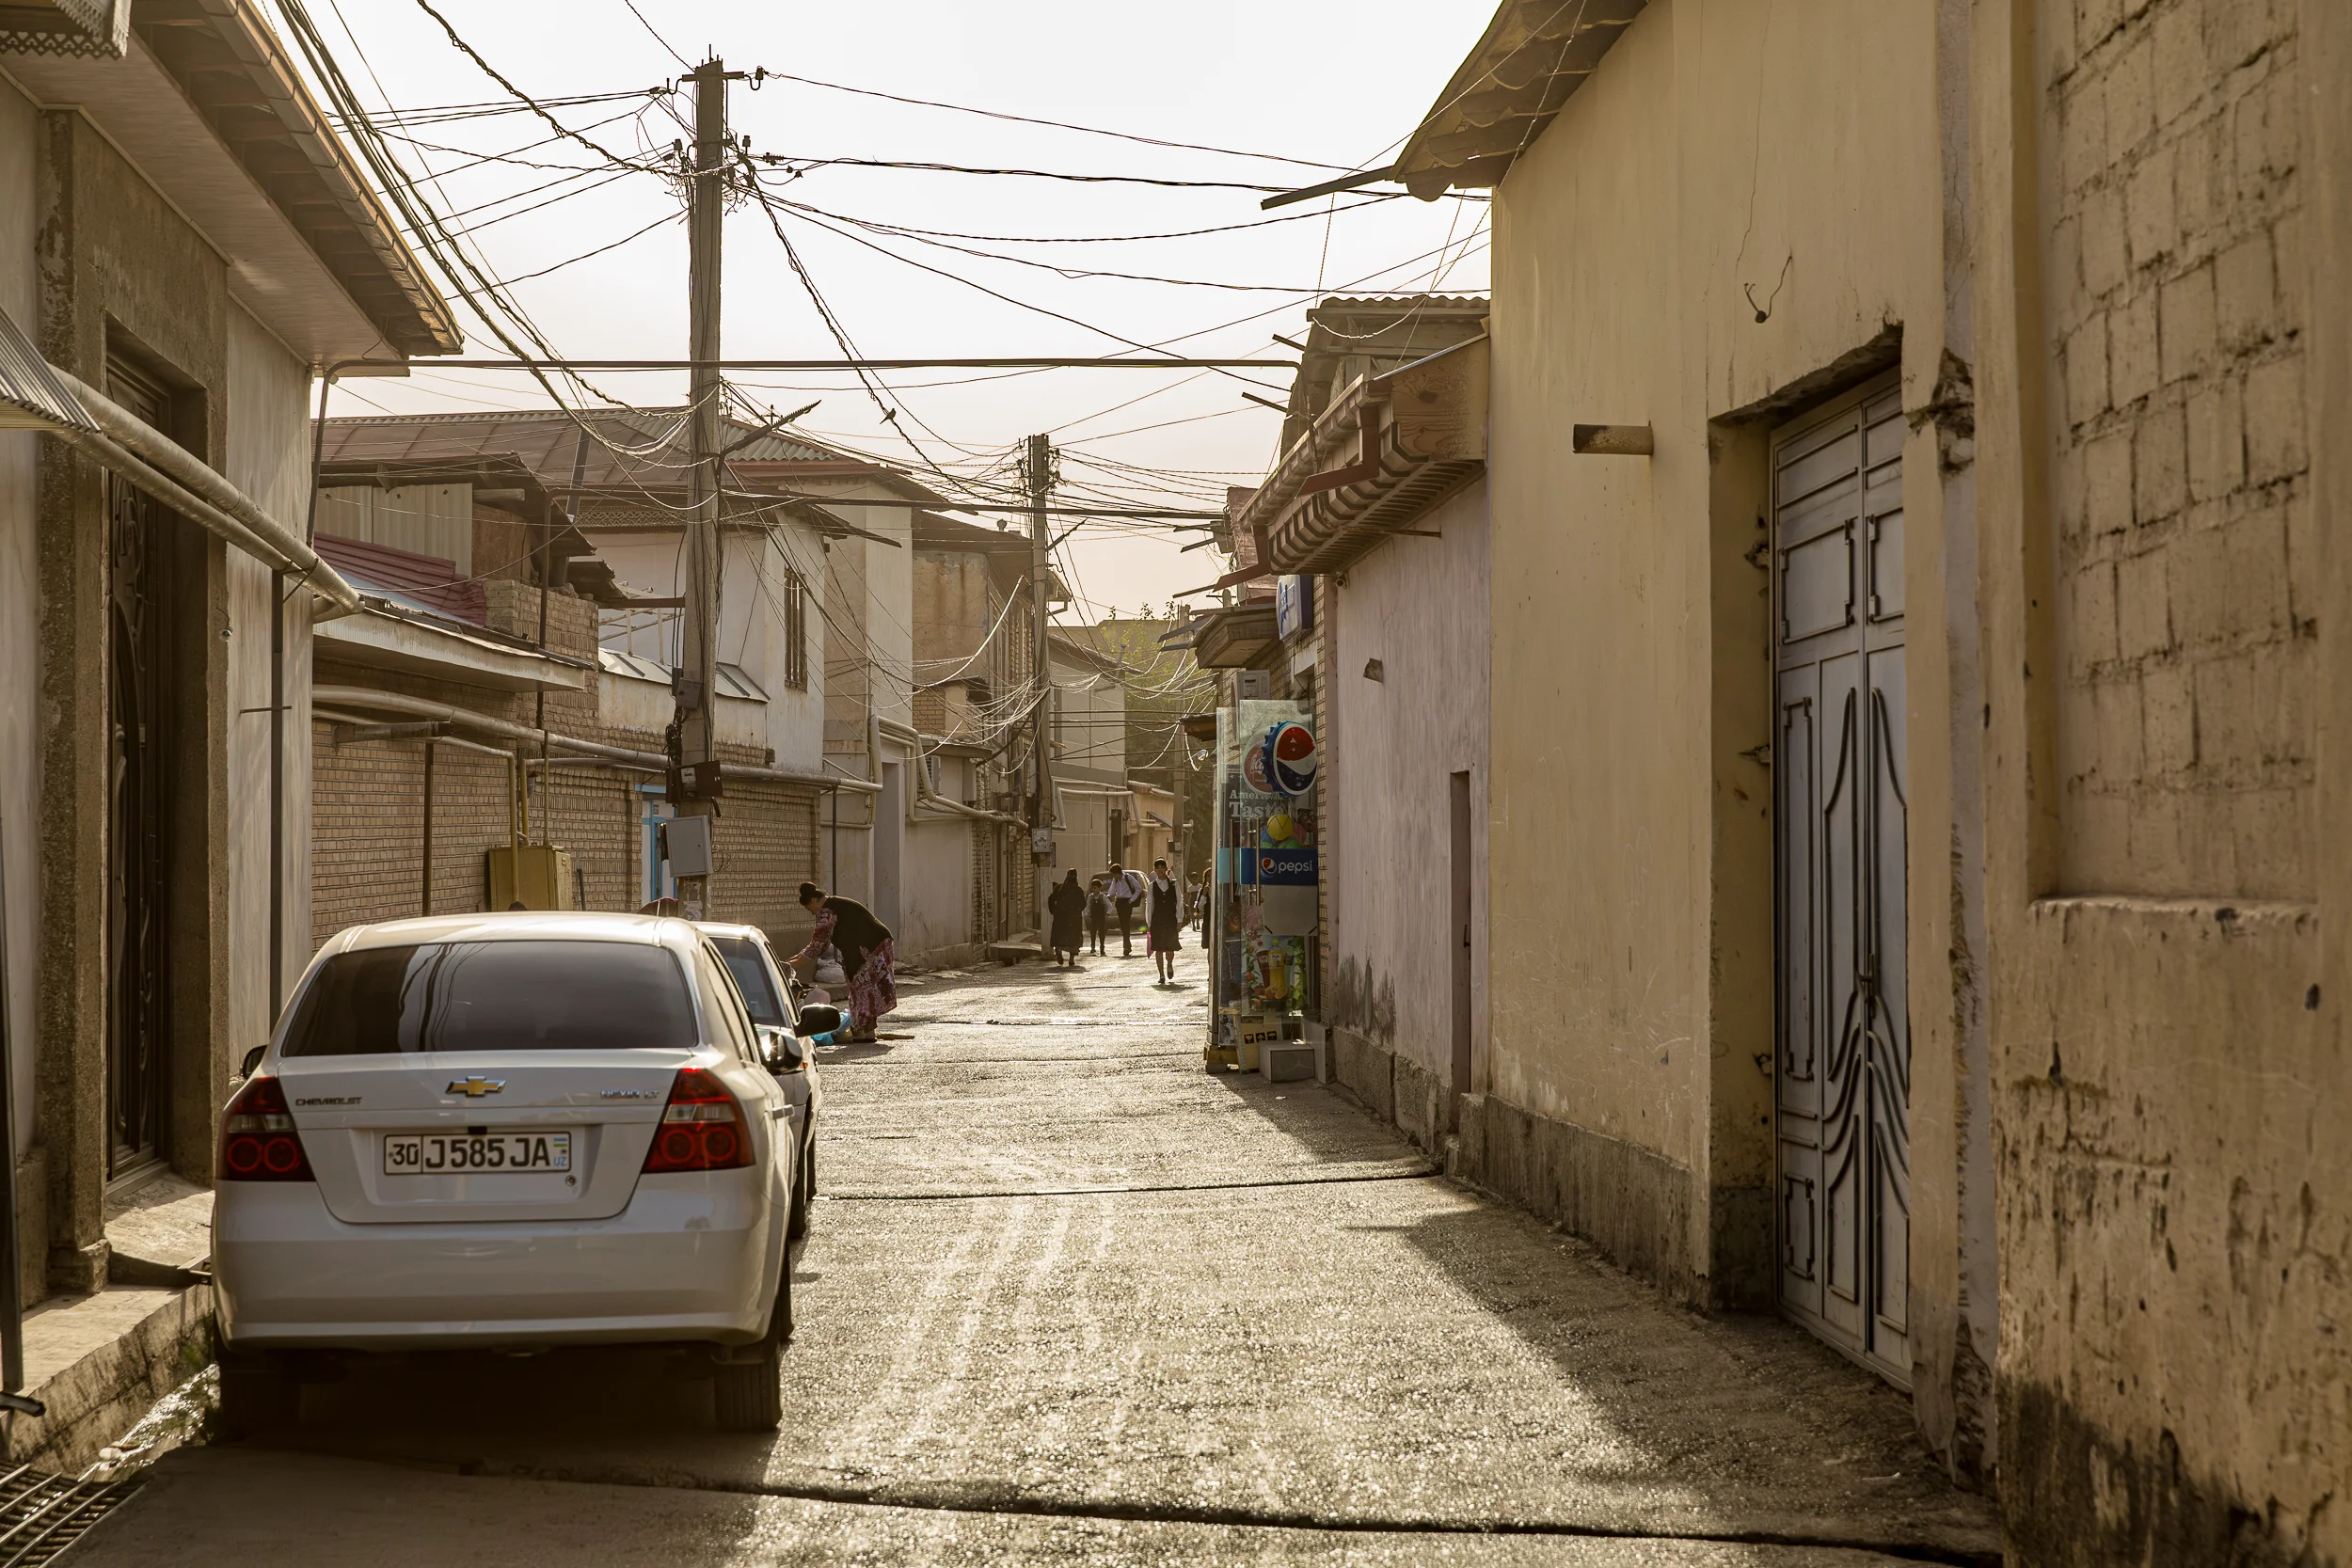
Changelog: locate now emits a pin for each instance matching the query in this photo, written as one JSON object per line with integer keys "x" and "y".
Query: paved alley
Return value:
{"x": 1069, "y": 1298}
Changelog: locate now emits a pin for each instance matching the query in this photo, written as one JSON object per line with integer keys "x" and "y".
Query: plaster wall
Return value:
{"x": 869, "y": 656}
{"x": 936, "y": 909}
{"x": 1420, "y": 607}
{"x": 751, "y": 634}
{"x": 19, "y": 623}
{"x": 267, "y": 432}
{"x": 1090, "y": 724}
{"x": 1720, "y": 151}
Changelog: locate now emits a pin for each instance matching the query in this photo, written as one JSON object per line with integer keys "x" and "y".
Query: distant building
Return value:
{"x": 1372, "y": 526}
{"x": 520, "y": 574}
{"x": 968, "y": 869}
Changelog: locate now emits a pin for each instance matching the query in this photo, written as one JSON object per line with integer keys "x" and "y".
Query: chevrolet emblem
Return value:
{"x": 474, "y": 1088}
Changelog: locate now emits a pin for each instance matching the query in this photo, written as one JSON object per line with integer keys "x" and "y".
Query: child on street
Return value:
{"x": 1098, "y": 915}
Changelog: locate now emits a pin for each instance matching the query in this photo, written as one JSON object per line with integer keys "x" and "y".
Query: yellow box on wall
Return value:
{"x": 536, "y": 875}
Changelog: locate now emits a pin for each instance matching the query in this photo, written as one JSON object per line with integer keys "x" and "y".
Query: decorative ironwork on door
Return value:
{"x": 1844, "y": 1062}
{"x": 138, "y": 1023}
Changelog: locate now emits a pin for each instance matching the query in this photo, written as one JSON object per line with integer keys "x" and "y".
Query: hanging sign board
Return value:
{"x": 1293, "y": 605}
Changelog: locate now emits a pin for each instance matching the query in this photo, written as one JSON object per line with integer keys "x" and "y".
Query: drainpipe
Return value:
{"x": 923, "y": 795}
{"x": 138, "y": 452}
{"x": 654, "y": 762}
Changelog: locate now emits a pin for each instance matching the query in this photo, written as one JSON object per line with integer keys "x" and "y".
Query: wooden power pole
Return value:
{"x": 1038, "y": 466}
{"x": 696, "y": 689}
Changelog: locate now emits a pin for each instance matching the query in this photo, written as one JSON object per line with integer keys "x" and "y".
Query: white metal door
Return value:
{"x": 1844, "y": 1026}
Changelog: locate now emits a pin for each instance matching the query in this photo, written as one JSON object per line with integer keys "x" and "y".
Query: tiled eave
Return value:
{"x": 1406, "y": 440}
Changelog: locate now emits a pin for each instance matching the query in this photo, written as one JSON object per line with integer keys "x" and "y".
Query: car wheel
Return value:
{"x": 258, "y": 1394}
{"x": 803, "y": 1188}
{"x": 748, "y": 1395}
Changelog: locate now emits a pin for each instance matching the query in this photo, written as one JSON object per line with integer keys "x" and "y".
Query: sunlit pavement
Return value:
{"x": 1070, "y": 1298}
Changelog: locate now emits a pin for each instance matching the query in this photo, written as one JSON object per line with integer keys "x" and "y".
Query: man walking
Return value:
{"x": 1126, "y": 890}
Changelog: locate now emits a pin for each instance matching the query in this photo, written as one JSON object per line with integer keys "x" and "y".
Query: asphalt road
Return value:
{"x": 1069, "y": 1299}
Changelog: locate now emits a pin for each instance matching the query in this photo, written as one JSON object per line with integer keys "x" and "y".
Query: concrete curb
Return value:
{"x": 146, "y": 1343}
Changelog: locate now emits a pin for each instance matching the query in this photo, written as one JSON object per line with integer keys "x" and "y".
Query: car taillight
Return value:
{"x": 702, "y": 1128}
{"x": 257, "y": 1140}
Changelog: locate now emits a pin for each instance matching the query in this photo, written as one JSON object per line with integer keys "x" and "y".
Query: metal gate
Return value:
{"x": 139, "y": 687}
{"x": 1844, "y": 1025}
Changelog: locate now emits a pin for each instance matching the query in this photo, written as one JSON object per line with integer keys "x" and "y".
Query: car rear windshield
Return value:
{"x": 494, "y": 996}
{"x": 751, "y": 977}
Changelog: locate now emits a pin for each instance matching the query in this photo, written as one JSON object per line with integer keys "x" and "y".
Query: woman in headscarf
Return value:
{"x": 867, "y": 954}
{"x": 1067, "y": 904}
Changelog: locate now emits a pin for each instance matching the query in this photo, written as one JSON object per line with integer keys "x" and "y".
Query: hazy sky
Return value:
{"x": 1305, "y": 82}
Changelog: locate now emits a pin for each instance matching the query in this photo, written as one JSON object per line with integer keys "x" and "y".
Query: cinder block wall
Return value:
{"x": 2185, "y": 559}
{"x": 2173, "y": 1375}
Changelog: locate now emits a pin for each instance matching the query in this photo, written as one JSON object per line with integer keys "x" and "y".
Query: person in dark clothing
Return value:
{"x": 1163, "y": 921}
{"x": 1126, "y": 891}
{"x": 1098, "y": 914}
{"x": 867, "y": 955}
{"x": 1067, "y": 904}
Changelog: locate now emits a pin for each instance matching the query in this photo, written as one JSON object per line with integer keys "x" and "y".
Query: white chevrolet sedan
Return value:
{"x": 507, "y": 1132}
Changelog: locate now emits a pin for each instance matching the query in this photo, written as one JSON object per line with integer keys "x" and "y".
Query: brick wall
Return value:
{"x": 368, "y": 801}
{"x": 2183, "y": 549}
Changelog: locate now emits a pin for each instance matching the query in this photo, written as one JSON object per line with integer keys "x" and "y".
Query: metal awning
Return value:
{"x": 1416, "y": 434}
{"x": 1231, "y": 638}
{"x": 1535, "y": 54}
{"x": 42, "y": 396}
{"x": 377, "y": 640}
{"x": 31, "y": 396}
{"x": 99, "y": 28}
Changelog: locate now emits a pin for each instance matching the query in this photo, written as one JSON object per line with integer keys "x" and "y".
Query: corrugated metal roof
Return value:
{"x": 734, "y": 680}
{"x": 31, "y": 396}
{"x": 637, "y": 449}
{"x": 424, "y": 582}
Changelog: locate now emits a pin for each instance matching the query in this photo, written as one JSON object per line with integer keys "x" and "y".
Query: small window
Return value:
{"x": 521, "y": 995}
{"x": 795, "y": 631}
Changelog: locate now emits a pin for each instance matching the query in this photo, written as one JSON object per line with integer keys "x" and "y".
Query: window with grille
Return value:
{"x": 795, "y": 632}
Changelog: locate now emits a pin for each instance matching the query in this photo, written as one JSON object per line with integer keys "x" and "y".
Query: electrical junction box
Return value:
{"x": 1287, "y": 1061}
{"x": 536, "y": 875}
{"x": 685, "y": 844}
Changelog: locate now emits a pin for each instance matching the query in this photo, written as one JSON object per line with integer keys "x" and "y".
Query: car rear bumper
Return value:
{"x": 691, "y": 1258}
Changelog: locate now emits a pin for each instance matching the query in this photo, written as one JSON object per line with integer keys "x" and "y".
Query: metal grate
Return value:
{"x": 41, "y": 1514}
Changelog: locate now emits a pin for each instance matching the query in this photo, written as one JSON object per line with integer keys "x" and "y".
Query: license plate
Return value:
{"x": 466, "y": 1154}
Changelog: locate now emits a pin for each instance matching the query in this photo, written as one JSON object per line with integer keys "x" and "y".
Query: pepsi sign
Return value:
{"x": 1287, "y": 760}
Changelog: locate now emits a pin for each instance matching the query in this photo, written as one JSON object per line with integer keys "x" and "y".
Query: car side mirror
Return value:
{"x": 252, "y": 1060}
{"x": 783, "y": 1051}
{"x": 820, "y": 1020}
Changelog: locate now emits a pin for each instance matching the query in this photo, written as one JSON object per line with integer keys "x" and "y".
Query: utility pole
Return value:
{"x": 1037, "y": 468}
{"x": 697, "y": 769}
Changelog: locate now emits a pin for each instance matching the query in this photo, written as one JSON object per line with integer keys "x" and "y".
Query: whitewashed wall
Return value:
{"x": 19, "y": 620}
{"x": 268, "y": 429}
{"x": 751, "y": 635}
{"x": 936, "y": 885}
{"x": 1422, "y": 607}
